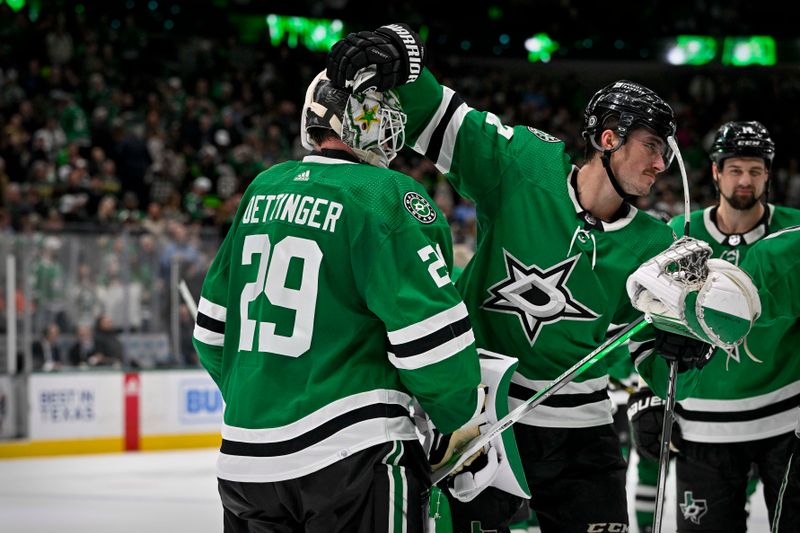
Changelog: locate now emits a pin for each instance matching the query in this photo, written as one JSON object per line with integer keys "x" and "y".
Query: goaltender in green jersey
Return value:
{"x": 328, "y": 310}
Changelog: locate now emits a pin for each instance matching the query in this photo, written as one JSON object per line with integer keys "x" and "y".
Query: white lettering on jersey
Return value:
{"x": 295, "y": 208}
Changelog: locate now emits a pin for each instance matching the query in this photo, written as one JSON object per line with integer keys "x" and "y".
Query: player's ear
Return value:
{"x": 715, "y": 175}
{"x": 609, "y": 139}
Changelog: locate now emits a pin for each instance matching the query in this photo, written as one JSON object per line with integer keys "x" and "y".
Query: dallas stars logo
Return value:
{"x": 419, "y": 207}
{"x": 693, "y": 510}
{"x": 367, "y": 117}
{"x": 537, "y": 296}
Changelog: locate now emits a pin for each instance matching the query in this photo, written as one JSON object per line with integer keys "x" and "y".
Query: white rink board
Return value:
{"x": 75, "y": 405}
{"x": 179, "y": 401}
{"x": 8, "y": 408}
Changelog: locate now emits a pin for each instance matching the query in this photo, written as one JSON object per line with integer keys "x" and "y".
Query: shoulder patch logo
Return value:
{"x": 546, "y": 137}
{"x": 419, "y": 207}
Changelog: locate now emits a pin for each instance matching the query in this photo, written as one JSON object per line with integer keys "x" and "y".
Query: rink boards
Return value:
{"x": 82, "y": 412}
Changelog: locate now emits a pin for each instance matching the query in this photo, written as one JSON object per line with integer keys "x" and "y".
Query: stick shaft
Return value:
{"x": 514, "y": 416}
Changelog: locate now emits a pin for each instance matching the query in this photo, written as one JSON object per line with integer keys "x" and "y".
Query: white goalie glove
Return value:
{"x": 685, "y": 292}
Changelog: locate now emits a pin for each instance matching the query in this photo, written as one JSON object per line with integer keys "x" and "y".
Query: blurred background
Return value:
{"x": 130, "y": 129}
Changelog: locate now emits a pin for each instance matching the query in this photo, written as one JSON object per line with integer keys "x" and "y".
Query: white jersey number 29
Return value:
{"x": 271, "y": 280}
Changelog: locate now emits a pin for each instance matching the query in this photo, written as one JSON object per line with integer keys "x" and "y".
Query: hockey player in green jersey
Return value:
{"x": 556, "y": 245}
{"x": 774, "y": 265}
{"x": 739, "y": 412}
{"x": 326, "y": 311}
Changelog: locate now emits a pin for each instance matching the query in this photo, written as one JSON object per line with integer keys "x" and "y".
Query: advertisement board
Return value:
{"x": 179, "y": 401}
{"x": 75, "y": 405}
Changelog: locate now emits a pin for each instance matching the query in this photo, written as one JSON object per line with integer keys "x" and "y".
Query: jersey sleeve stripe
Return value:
{"x": 424, "y": 138}
{"x": 436, "y": 355}
{"x": 210, "y": 309}
{"x": 445, "y": 158}
{"x": 437, "y": 137}
{"x": 211, "y": 338}
{"x": 432, "y": 324}
{"x": 211, "y": 324}
{"x": 640, "y": 351}
{"x": 429, "y": 342}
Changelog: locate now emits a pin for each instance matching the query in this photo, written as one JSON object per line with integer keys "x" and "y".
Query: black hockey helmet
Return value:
{"x": 742, "y": 139}
{"x": 323, "y": 108}
{"x": 633, "y": 105}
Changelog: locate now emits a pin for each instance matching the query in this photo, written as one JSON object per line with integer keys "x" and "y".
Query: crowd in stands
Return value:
{"x": 124, "y": 145}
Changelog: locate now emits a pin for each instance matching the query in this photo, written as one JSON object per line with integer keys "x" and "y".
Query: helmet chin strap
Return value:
{"x": 606, "y": 159}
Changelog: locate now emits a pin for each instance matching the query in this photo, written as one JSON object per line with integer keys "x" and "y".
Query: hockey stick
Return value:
{"x": 187, "y": 298}
{"x": 459, "y": 456}
{"x": 669, "y": 407}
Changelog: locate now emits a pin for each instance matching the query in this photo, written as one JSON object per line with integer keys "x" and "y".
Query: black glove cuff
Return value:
{"x": 407, "y": 40}
{"x": 688, "y": 352}
{"x": 439, "y": 447}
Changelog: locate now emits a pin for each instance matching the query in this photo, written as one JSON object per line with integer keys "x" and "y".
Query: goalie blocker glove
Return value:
{"x": 646, "y": 415}
{"x": 376, "y": 60}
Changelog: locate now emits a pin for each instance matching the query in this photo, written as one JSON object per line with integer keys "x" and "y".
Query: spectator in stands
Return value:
{"x": 121, "y": 299}
{"x": 84, "y": 303}
{"x": 180, "y": 249}
{"x": 96, "y": 348}
{"x": 47, "y": 354}
{"x": 84, "y": 347}
{"x": 48, "y": 283}
{"x": 108, "y": 342}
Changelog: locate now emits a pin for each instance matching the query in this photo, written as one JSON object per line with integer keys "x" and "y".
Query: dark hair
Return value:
{"x": 320, "y": 135}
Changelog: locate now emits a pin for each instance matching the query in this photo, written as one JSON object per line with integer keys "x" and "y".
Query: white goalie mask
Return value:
{"x": 323, "y": 108}
{"x": 373, "y": 126}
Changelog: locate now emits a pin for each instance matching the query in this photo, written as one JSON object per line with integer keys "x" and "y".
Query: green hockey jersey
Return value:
{"x": 750, "y": 393}
{"x": 328, "y": 306}
{"x": 547, "y": 282}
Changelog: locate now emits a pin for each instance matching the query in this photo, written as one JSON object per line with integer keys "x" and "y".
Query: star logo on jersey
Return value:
{"x": 537, "y": 296}
{"x": 367, "y": 117}
{"x": 693, "y": 510}
{"x": 419, "y": 207}
{"x": 546, "y": 137}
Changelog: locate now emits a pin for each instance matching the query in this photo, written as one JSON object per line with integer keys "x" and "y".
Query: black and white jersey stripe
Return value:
{"x": 577, "y": 404}
{"x": 739, "y": 420}
{"x": 640, "y": 351}
{"x": 331, "y": 433}
{"x": 209, "y": 327}
{"x": 429, "y": 341}
{"x": 438, "y": 139}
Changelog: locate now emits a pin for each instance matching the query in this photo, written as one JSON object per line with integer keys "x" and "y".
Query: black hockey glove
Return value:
{"x": 441, "y": 441}
{"x": 688, "y": 352}
{"x": 393, "y": 55}
{"x": 646, "y": 415}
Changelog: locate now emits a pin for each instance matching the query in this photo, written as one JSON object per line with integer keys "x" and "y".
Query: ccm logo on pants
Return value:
{"x": 607, "y": 527}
